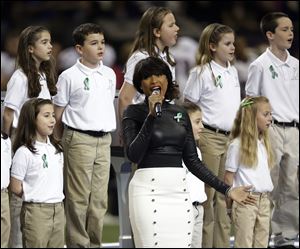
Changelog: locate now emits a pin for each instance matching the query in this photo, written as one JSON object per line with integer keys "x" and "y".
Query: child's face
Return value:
{"x": 263, "y": 116}
{"x": 92, "y": 50}
{"x": 224, "y": 50}
{"x": 283, "y": 36}
{"x": 45, "y": 122}
{"x": 167, "y": 34}
{"x": 196, "y": 120}
{"x": 42, "y": 49}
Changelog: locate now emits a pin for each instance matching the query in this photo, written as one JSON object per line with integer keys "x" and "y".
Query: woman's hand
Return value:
{"x": 153, "y": 99}
{"x": 242, "y": 195}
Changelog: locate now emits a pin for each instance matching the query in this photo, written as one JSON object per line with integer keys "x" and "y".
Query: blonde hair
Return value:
{"x": 245, "y": 127}
{"x": 212, "y": 34}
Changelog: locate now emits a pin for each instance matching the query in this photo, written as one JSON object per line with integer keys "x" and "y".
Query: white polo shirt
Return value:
{"x": 88, "y": 97}
{"x": 259, "y": 177}
{"x": 41, "y": 173}
{"x": 279, "y": 82}
{"x": 5, "y": 161}
{"x": 130, "y": 66}
{"x": 219, "y": 104}
{"x": 194, "y": 184}
{"x": 17, "y": 93}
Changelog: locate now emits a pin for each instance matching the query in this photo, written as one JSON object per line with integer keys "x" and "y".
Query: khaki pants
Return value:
{"x": 216, "y": 224}
{"x": 198, "y": 226}
{"x": 285, "y": 196}
{"x": 86, "y": 172}
{"x": 15, "y": 203}
{"x": 43, "y": 225}
{"x": 5, "y": 218}
{"x": 251, "y": 223}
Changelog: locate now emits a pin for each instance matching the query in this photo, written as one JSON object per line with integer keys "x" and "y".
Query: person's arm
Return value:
{"x": 59, "y": 128}
{"x": 126, "y": 95}
{"x": 228, "y": 179}
{"x": 199, "y": 169}
{"x": 16, "y": 186}
{"x": 8, "y": 117}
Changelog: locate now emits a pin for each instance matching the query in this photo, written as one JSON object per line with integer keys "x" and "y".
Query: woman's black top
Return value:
{"x": 164, "y": 141}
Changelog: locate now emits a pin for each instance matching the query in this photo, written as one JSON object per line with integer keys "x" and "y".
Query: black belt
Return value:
{"x": 91, "y": 133}
{"x": 287, "y": 124}
{"x": 226, "y": 133}
{"x": 196, "y": 203}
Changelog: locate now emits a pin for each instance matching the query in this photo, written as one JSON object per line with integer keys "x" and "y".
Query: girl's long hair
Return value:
{"x": 145, "y": 39}
{"x": 26, "y": 130}
{"x": 26, "y": 62}
{"x": 245, "y": 127}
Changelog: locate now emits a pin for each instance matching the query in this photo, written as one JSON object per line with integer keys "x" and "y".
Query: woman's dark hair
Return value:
{"x": 154, "y": 66}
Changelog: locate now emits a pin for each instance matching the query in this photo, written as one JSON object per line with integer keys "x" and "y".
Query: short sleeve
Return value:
{"x": 232, "y": 158}
{"x": 63, "y": 92}
{"x": 20, "y": 164}
{"x": 252, "y": 87}
{"x": 193, "y": 86}
{"x": 16, "y": 93}
{"x": 131, "y": 63}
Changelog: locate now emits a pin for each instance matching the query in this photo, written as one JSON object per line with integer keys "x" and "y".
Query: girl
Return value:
{"x": 156, "y": 34}
{"x": 35, "y": 77}
{"x": 5, "y": 168}
{"x": 160, "y": 209}
{"x": 196, "y": 186}
{"x": 249, "y": 159}
{"x": 213, "y": 85}
{"x": 37, "y": 176}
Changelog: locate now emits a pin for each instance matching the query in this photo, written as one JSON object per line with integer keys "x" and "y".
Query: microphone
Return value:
{"x": 157, "y": 106}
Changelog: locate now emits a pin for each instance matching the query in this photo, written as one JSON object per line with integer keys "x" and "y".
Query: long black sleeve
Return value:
{"x": 164, "y": 141}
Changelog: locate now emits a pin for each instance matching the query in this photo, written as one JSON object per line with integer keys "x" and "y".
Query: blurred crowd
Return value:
{"x": 119, "y": 20}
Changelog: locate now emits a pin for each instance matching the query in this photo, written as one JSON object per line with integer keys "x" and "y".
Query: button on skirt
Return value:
{"x": 160, "y": 209}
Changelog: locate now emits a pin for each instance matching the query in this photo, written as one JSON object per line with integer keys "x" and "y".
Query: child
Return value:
{"x": 213, "y": 85}
{"x": 84, "y": 105}
{"x": 34, "y": 77}
{"x": 248, "y": 162}
{"x": 196, "y": 186}
{"x": 156, "y": 34}
{"x": 5, "y": 168}
{"x": 37, "y": 176}
{"x": 275, "y": 74}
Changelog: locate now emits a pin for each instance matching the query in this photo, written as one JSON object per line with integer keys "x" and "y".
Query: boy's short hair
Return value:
{"x": 83, "y": 30}
{"x": 269, "y": 21}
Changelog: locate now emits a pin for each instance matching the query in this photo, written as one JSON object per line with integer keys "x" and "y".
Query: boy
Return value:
{"x": 275, "y": 75}
{"x": 84, "y": 105}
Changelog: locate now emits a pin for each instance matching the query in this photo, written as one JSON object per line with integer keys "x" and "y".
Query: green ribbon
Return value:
{"x": 178, "y": 117}
{"x": 86, "y": 84}
{"x": 219, "y": 81}
{"x": 45, "y": 163}
{"x": 273, "y": 72}
{"x": 247, "y": 102}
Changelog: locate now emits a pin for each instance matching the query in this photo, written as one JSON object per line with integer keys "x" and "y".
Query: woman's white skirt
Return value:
{"x": 160, "y": 209}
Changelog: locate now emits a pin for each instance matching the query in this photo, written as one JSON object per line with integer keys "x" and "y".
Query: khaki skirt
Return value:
{"x": 160, "y": 209}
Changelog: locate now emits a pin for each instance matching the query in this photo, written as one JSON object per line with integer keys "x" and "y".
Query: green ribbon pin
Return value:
{"x": 178, "y": 117}
{"x": 219, "y": 81}
{"x": 45, "y": 163}
{"x": 86, "y": 84}
{"x": 273, "y": 72}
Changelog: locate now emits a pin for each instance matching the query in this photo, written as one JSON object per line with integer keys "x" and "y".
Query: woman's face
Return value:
{"x": 160, "y": 82}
